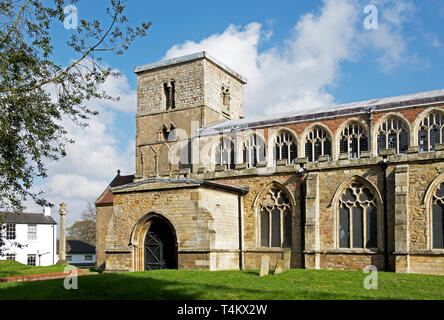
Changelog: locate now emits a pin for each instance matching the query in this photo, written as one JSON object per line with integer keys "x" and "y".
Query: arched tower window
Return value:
{"x": 226, "y": 96}
{"x": 275, "y": 212}
{"x": 169, "y": 134}
{"x": 254, "y": 150}
{"x": 431, "y": 131}
{"x": 358, "y": 217}
{"x": 285, "y": 147}
{"x": 353, "y": 140}
{"x": 225, "y": 152}
{"x": 393, "y": 134}
{"x": 317, "y": 143}
{"x": 438, "y": 218}
{"x": 170, "y": 90}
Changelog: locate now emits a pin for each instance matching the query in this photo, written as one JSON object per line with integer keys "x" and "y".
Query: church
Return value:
{"x": 343, "y": 187}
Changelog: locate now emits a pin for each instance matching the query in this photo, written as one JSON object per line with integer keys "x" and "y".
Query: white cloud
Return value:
{"x": 119, "y": 87}
{"x": 388, "y": 40}
{"x": 297, "y": 73}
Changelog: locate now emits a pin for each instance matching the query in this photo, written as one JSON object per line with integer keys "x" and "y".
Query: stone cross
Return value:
{"x": 62, "y": 238}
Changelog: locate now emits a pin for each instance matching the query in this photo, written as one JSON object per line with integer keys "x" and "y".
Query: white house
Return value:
{"x": 80, "y": 254}
{"x": 36, "y": 232}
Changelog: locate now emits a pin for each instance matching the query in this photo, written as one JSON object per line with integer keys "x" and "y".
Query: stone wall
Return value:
{"x": 204, "y": 222}
{"x": 103, "y": 214}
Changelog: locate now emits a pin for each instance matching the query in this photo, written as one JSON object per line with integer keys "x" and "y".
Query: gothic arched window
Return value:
{"x": 285, "y": 147}
{"x": 317, "y": 143}
{"x": 431, "y": 131}
{"x": 438, "y": 218}
{"x": 254, "y": 150}
{"x": 353, "y": 140}
{"x": 275, "y": 219}
{"x": 393, "y": 134}
{"x": 225, "y": 152}
{"x": 358, "y": 217}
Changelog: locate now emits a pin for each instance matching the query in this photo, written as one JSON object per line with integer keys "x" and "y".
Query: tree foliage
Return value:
{"x": 84, "y": 229}
{"x": 37, "y": 94}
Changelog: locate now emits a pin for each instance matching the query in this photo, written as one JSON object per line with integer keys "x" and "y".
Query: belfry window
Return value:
{"x": 438, "y": 218}
{"x": 317, "y": 143}
{"x": 225, "y": 152}
{"x": 275, "y": 219}
{"x": 353, "y": 141}
{"x": 393, "y": 134}
{"x": 226, "y": 96}
{"x": 285, "y": 147}
{"x": 431, "y": 131}
{"x": 170, "y": 90}
{"x": 254, "y": 150}
{"x": 358, "y": 217}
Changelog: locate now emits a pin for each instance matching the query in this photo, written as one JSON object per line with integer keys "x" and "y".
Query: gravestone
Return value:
{"x": 279, "y": 267}
{"x": 287, "y": 259}
{"x": 265, "y": 265}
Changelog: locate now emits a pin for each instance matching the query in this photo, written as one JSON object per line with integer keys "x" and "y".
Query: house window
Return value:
{"x": 438, "y": 218}
{"x": 170, "y": 91}
{"x": 10, "y": 256}
{"x": 10, "y": 231}
{"x": 358, "y": 214}
{"x": 275, "y": 219}
{"x": 68, "y": 258}
{"x": 32, "y": 232}
{"x": 393, "y": 134}
{"x": 431, "y": 131}
{"x": 353, "y": 141}
{"x": 317, "y": 143}
{"x": 285, "y": 147}
{"x": 88, "y": 258}
{"x": 254, "y": 150}
{"x": 31, "y": 259}
{"x": 225, "y": 152}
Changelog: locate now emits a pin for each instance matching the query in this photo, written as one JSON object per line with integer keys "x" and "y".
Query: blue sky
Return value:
{"x": 295, "y": 54}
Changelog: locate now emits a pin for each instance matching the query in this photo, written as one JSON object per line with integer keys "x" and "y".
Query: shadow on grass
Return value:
{"x": 144, "y": 286}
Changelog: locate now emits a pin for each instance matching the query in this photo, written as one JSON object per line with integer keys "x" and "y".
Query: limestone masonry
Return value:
{"x": 341, "y": 187}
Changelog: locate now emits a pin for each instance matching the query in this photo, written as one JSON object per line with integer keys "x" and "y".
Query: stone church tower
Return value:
{"x": 175, "y": 98}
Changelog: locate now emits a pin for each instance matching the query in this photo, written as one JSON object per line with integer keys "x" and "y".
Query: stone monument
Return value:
{"x": 62, "y": 237}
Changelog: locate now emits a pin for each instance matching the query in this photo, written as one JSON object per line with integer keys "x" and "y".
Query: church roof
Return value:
{"x": 26, "y": 218}
{"x": 191, "y": 57}
{"x": 106, "y": 199}
{"x": 348, "y": 109}
{"x": 159, "y": 184}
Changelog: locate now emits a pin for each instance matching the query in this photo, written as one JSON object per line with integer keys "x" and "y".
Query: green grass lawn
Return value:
{"x": 15, "y": 269}
{"x": 182, "y": 284}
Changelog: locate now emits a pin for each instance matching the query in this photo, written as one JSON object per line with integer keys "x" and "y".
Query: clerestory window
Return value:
{"x": 317, "y": 143}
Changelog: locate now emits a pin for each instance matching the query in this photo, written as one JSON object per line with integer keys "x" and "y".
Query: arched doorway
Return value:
{"x": 160, "y": 246}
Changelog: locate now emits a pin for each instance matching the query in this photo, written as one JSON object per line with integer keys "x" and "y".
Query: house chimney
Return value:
{"x": 47, "y": 211}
